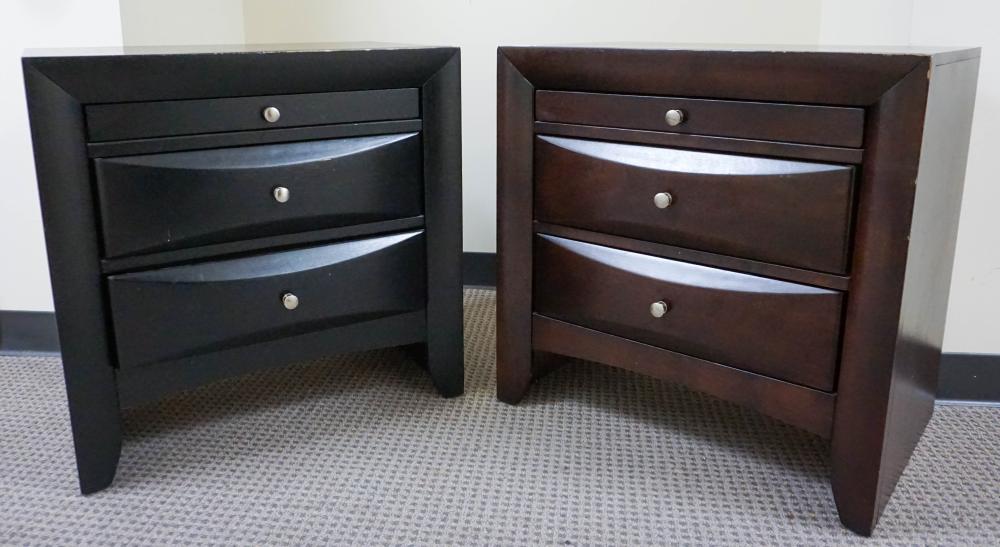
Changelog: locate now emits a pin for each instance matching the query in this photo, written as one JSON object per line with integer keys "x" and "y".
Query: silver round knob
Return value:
{"x": 674, "y": 117}
{"x": 272, "y": 114}
{"x": 290, "y": 301}
{"x": 659, "y": 309}
{"x": 281, "y": 194}
{"x": 663, "y": 200}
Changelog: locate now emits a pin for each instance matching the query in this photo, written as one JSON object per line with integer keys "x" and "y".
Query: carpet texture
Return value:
{"x": 360, "y": 449}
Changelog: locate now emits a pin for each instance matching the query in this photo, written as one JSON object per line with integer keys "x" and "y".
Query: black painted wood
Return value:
{"x": 122, "y": 121}
{"x": 441, "y": 94}
{"x": 115, "y": 75}
{"x": 226, "y": 194}
{"x": 71, "y": 240}
{"x": 142, "y": 385}
{"x": 174, "y": 314}
{"x": 217, "y": 198}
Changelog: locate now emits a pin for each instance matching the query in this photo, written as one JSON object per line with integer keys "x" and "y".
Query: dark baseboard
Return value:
{"x": 967, "y": 377}
{"x": 479, "y": 269}
{"x": 28, "y": 331}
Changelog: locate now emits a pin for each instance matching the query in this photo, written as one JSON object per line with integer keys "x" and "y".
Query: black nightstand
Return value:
{"x": 210, "y": 212}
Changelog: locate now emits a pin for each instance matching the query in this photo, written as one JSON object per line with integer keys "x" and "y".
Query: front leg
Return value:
{"x": 96, "y": 423}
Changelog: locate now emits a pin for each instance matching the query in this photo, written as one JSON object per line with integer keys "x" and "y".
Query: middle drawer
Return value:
{"x": 786, "y": 212}
{"x": 160, "y": 202}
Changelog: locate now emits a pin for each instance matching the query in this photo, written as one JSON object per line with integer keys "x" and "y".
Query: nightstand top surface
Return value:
{"x": 951, "y": 53}
{"x": 117, "y": 51}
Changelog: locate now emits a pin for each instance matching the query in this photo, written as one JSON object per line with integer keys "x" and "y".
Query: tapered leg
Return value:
{"x": 442, "y": 138}
{"x": 515, "y": 134}
{"x": 513, "y": 381}
{"x": 96, "y": 423}
{"x": 446, "y": 367}
{"x": 71, "y": 238}
{"x": 445, "y": 363}
{"x": 855, "y": 498}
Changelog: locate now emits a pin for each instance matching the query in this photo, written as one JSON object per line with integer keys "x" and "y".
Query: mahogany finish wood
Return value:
{"x": 764, "y": 269}
{"x": 800, "y": 406}
{"x": 831, "y": 126}
{"x": 786, "y": 212}
{"x": 784, "y": 330}
{"x": 892, "y": 280}
{"x": 226, "y": 194}
{"x": 170, "y": 257}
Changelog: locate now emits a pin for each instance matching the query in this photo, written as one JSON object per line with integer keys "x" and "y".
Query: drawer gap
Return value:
{"x": 682, "y": 254}
{"x": 749, "y": 147}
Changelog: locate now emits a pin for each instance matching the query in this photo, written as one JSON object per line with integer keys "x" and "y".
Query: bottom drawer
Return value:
{"x": 771, "y": 327}
{"x": 178, "y": 312}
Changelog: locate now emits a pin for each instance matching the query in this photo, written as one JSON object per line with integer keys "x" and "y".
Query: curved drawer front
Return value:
{"x": 173, "y": 313}
{"x": 787, "y": 212}
{"x": 771, "y": 327}
{"x": 167, "y": 201}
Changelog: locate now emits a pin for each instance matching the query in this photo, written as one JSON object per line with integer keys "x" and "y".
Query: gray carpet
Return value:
{"x": 359, "y": 449}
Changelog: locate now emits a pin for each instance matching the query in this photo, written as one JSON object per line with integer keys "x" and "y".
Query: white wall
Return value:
{"x": 478, "y": 26}
{"x": 181, "y": 22}
{"x": 975, "y": 290}
{"x": 865, "y": 22}
{"x": 24, "y": 279}
{"x": 973, "y": 325}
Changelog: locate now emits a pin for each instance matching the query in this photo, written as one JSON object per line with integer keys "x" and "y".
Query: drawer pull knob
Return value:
{"x": 281, "y": 194}
{"x": 659, "y": 309}
{"x": 272, "y": 114}
{"x": 290, "y": 301}
{"x": 674, "y": 117}
{"x": 663, "y": 200}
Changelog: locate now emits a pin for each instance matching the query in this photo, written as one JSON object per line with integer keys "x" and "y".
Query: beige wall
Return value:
{"x": 181, "y": 22}
{"x": 478, "y": 26}
{"x": 24, "y": 274}
{"x": 973, "y": 319}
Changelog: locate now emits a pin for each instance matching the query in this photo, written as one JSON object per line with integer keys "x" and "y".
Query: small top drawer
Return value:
{"x": 807, "y": 124}
{"x": 107, "y": 122}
